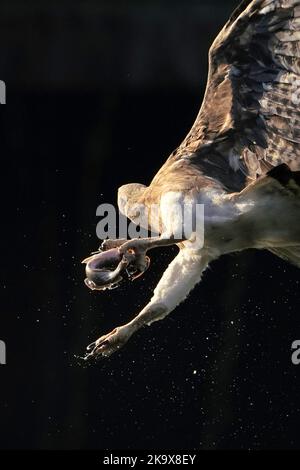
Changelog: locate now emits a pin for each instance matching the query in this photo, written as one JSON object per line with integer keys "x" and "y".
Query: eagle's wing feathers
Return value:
{"x": 250, "y": 117}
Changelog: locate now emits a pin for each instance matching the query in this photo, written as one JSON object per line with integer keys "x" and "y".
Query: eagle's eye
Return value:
{"x": 135, "y": 214}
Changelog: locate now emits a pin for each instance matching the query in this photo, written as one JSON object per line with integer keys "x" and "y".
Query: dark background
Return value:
{"x": 98, "y": 94}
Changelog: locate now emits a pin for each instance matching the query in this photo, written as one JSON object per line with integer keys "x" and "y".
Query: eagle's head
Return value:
{"x": 130, "y": 200}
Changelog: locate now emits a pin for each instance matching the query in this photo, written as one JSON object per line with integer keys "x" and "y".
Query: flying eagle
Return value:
{"x": 241, "y": 159}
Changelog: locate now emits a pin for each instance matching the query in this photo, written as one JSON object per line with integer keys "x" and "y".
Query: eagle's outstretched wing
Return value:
{"x": 249, "y": 121}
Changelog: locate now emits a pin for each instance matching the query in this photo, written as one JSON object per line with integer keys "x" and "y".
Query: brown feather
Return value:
{"x": 250, "y": 117}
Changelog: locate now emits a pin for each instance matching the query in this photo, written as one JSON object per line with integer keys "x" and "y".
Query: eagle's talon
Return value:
{"x": 140, "y": 265}
{"x": 136, "y": 247}
{"x": 106, "y": 345}
{"x": 91, "y": 346}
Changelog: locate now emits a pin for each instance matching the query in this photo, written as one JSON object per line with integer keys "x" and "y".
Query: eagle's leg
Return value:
{"x": 181, "y": 276}
{"x": 138, "y": 248}
{"x": 139, "y": 245}
{"x": 112, "y": 243}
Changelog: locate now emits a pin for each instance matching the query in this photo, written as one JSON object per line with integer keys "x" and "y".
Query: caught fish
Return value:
{"x": 105, "y": 269}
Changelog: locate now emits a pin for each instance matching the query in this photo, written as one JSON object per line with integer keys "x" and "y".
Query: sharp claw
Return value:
{"x": 86, "y": 260}
{"x": 104, "y": 347}
{"x": 136, "y": 276}
{"x": 89, "y": 357}
{"x": 97, "y": 252}
{"x": 96, "y": 351}
{"x": 136, "y": 273}
{"x": 91, "y": 346}
{"x": 130, "y": 274}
